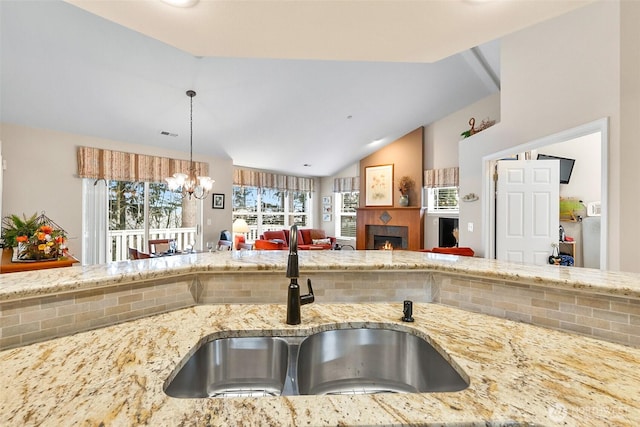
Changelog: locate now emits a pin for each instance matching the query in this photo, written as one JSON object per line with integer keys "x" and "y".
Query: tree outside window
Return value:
{"x": 267, "y": 209}
{"x": 166, "y": 216}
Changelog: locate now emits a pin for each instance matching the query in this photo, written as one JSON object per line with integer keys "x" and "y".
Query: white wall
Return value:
{"x": 441, "y": 137}
{"x": 1, "y": 177}
{"x": 441, "y": 148}
{"x": 326, "y": 189}
{"x": 627, "y": 168}
{"x": 41, "y": 176}
{"x": 558, "y": 75}
{"x": 585, "y": 178}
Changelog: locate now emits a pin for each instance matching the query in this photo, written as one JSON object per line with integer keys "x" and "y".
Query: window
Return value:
{"x": 346, "y": 205}
{"x": 139, "y": 209}
{"x": 267, "y": 209}
{"x": 125, "y": 203}
{"x": 442, "y": 199}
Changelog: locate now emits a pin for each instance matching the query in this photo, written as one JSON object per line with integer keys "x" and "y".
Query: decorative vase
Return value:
{"x": 404, "y": 200}
{"x": 23, "y": 251}
{"x": 38, "y": 251}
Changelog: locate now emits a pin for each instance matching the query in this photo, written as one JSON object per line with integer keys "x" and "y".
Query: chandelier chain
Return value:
{"x": 191, "y": 95}
{"x": 190, "y": 185}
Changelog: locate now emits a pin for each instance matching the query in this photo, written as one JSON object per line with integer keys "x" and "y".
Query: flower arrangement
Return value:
{"x": 45, "y": 243}
{"x": 405, "y": 185}
{"x": 37, "y": 237}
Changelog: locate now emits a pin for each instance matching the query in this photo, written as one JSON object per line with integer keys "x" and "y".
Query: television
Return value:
{"x": 566, "y": 166}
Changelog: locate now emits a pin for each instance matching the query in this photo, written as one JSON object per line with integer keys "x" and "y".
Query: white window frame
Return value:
{"x": 339, "y": 214}
{"x": 96, "y": 240}
{"x": 430, "y": 197}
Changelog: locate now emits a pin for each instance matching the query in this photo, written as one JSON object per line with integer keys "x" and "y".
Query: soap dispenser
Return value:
{"x": 407, "y": 311}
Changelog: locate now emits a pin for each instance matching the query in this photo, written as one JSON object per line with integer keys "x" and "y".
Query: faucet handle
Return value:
{"x": 309, "y": 298}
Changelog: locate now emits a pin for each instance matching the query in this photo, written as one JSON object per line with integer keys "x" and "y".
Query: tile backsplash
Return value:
{"x": 600, "y": 316}
{"x": 36, "y": 319}
{"x": 41, "y": 318}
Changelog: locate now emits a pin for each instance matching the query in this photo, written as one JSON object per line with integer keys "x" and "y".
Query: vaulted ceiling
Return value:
{"x": 305, "y": 87}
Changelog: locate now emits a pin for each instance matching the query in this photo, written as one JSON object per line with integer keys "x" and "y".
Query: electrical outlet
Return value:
{"x": 470, "y": 227}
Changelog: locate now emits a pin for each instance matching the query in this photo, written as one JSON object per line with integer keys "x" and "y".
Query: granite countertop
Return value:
{"x": 518, "y": 372}
{"x": 37, "y": 283}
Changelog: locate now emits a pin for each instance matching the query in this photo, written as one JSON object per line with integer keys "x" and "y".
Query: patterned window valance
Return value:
{"x": 255, "y": 178}
{"x": 97, "y": 163}
{"x": 346, "y": 185}
{"x": 448, "y": 177}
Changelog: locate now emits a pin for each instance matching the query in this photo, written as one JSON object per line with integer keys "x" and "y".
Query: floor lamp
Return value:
{"x": 239, "y": 227}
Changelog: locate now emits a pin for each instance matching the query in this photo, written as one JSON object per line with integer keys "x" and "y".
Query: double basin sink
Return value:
{"x": 342, "y": 361}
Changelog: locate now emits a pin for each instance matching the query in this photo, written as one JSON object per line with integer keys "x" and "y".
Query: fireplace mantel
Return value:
{"x": 411, "y": 217}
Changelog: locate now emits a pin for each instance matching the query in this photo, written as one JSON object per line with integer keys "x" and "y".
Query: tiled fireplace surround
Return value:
{"x": 37, "y": 319}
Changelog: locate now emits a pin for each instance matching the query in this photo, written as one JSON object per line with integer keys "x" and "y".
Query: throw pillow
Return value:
{"x": 274, "y": 235}
{"x": 321, "y": 241}
{"x": 317, "y": 234}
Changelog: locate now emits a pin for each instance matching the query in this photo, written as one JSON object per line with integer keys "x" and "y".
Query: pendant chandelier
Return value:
{"x": 190, "y": 185}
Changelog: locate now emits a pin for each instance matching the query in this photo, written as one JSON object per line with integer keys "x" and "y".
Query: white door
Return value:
{"x": 527, "y": 210}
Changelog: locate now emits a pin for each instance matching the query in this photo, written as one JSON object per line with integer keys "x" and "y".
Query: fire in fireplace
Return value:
{"x": 378, "y": 235}
{"x": 387, "y": 242}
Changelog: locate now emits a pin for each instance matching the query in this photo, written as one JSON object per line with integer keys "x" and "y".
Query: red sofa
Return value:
{"x": 308, "y": 238}
{"x": 463, "y": 251}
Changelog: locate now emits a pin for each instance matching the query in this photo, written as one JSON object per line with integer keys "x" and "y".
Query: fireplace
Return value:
{"x": 402, "y": 227}
{"x": 377, "y": 235}
{"x": 446, "y": 236}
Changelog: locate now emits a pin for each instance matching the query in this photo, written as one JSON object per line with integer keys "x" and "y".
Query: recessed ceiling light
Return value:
{"x": 181, "y": 3}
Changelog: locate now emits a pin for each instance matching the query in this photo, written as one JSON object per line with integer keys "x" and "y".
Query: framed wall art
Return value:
{"x": 379, "y": 185}
{"x": 218, "y": 201}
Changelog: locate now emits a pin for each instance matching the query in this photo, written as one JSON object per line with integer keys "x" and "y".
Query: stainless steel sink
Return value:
{"x": 345, "y": 361}
{"x": 367, "y": 361}
{"x": 234, "y": 367}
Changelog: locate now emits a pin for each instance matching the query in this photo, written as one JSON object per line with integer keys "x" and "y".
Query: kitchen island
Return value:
{"x": 39, "y": 305}
{"x": 94, "y": 345}
{"x": 519, "y": 374}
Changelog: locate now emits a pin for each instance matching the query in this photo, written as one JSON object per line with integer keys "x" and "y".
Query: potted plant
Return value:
{"x": 405, "y": 185}
{"x": 13, "y": 227}
{"x": 37, "y": 237}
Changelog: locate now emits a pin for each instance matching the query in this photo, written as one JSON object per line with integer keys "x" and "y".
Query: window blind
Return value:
{"x": 260, "y": 179}
{"x": 97, "y": 163}
{"x": 346, "y": 185}
{"x": 447, "y": 177}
